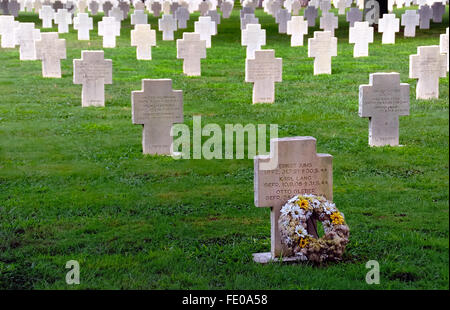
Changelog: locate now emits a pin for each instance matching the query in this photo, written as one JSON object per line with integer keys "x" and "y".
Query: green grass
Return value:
{"x": 74, "y": 183}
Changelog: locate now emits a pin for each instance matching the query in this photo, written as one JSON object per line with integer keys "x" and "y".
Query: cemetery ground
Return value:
{"x": 74, "y": 183}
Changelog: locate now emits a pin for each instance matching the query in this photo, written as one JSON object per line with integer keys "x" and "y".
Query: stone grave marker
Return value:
{"x": 282, "y": 17}
{"x": 311, "y": 14}
{"x": 325, "y": 6}
{"x": 264, "y": 70}
{"x": 109, "y": 29}
{"x": 322, "y": 47}
{"x": 275, "y": 7}
{"x": 215, "y": 17}
{"x": 93, "y": 7}
{"x": 206, "y": 28}
{"x": 156, "y": 8}
{"x": 143, "y": 37}
{"x": 191, "y": 49}
{"x": 25, "y": 36}
{"x": 50, "y": 49}
{"x": 410, "y": 20}
{"x": 4, "y": 7}
{"x": 426, "y": 13}
{"x": 93, "y": 72}
{"x": 139, "y": 17}
{"x": 7, "y": 26}
{"x": 428, "y": 65}
{"x": 173, "y": 7}
{"x": 182, "y": 15}
{"x": 246, "y": 10}
{"x": 107, "y": 6}
{"x": 438, "y": 11}
{"x": 125, "y": 8}
{"x": 138, "y": 5}
{"x": 47, "y": 15}
{"x": 293, "y": 168}
{"x": 203, "y": 7}
{"x": 37, "y": 5}
{"x": 13, "y": 8}
{"x": 83, "y": 24}
{"x": 253, "y": 37}
{"x": 383, "y": 100}
{"x": 297, "y": 27}
{"x": 57, "y": 5}
{"x": 248, "y": 19}
{"x": 63, "y": 19}
{"x": 116, "y": 13}
{"x": 70, "y": 7}
{"x": 361, "y": 34}
{"x": 329, "y": 22}
{"x": 157, "y": 107}
{"x": 443, "y": 45}
{"x": 167, "y": 24}
{"x": 226, "y": 8}
{"x": 388, "y": 25}
{"x": 354, "y": 15}
{"x": 82, "y": 5}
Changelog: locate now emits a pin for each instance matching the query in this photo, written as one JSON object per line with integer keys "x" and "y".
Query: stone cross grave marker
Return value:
{"x": 253, "y": 37}
{"x": 173, "y": 7}
{"x": 282, "y": 17}
{"x": 125, "y": 8}
{"x": 296, "y": 7}
{"x": 410, "y": 20}
{"x": 82, "y": 5}
{"x": 7, "y": 26}
{"x": 138, "y": 5}
{"x": 322, "y": 47}
{"x": 215, "y": 17}
{"x": 107, "y": 6}
{"x": 341, "y": 6}
{"x": 47, "y": 15}
{"x": 226, "y": 8}
{"x": 139, "y": 17}
{"x": 383, "y": 100}
{"x": 93, "y": 7}
{"x": 354, "y": 15}
{"x": 37, "y": 5}
{"x": 157, "y": 107}
{"x": 388, "y": 25}
{"x": 167, "y": 24}
{"x": 311, "y": 14}
{"x": 14, "y": 8}
{"x": 25, "y": 35}
{"x": 50, "y": 49}
{"x": 275, "y": 7}
{"x": 264, "y": 70}
{"x": 438, "y": 11}
{"x": 116, "y": 13}
{"x": 156, "y": 8}
{"x": 329, "y": 22}
{"x": 57, "y": 5}
{"x": 143, "y": 37}
{"x": 325, "y": 6}
{"x": 248, "y": 19}
{"x": 206, "y": 28}
{"x": 70, "y": 7}
{"x": 203, "y": 8}
{"x": 4, "y": 7}
{"x": 293, "y": 168}
{"x": 191, "y": 49}
{"x": 246, "y": 10}
{"x": 426, "y": 13}
{"x": 297, "y": 27}
{"x": 83, "y": 23}
{"x": 428, "y": 65}
{"x": 63, "y": 19}
{"x": 443, "y": 45}
{"x": 182, "y": 15}
{"x": 93, "y": 72}
{"x": 109, "y": 29}
{"x": 361, "y": 34}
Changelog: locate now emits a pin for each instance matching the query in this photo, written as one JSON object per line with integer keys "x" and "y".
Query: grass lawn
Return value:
{"x": 74, "y": 183}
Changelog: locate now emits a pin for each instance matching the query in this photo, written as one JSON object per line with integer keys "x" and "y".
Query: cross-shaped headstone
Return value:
{"x": 427, "y": 66}
{"x": 329, "y": 22}
{"x": 47, "y": 14}
{"x": 246, "y": 10}
{"x": 93, "y": 7}
{"x": 248, "y": 19}
{"x": 83, "y": 23}
{"x": 203, "y": 7}
{"x": 143, "y": 37}
{"x": 253, "y": 37}
{"x": 156, "y": 8}
{"x": 410, "y": 19}
{"x": 282, "y": 17}
{"x": 264, "y": 70}
{"x": 157, "y": 107}
{"x": 191, "y": 49}
{"x": 70, "y": 7}
{"x": 7, "y": 25}
{"x": 25, "y": 36}
{"x": 206, "y": 28}
{"x": 311, "y": 15}
{"x": 226, "y": 8}
{"x": 139, "y": 17}
{"x": 37, "y": 5}
{"x": 116, "y": 13}
{"x": 215, "y": 17}
{"x": 361, "y": 34}
{"x": 139, "y": 5}
{"x": 325, "y": 6}
{"x": 167, "y": 24}
{"x": 438, "y": 10}
{"x": 63, "y": 19}
{"x": 383, "y": 101}
{"x": 13, "y": 8}
{"x": 107, "y": 6}
{"x": 93, "y": 72}
{"x": 322, "y": 47}
{"x": 297, "y": 27}
{"x": 443, "y": 45}
{"x": 109, "y": 29}
{"x": 293, "y": 168}
{"x": 354, "y": 15}
{"x": 82, "y": 5}
{"x": 426, "y": 13}
{"x": 182, "y": 15}
{"x": 388, "y": 25}
{"x": 125, "y": 8}
{"x": 4, "y": 7}
{"x": 341, "y": 5}
{"x": 166, "y": 7}
{"x": 57, "y": 5}
{"x": 275, "y": 7}
{"x": 173, "y": 7}
{"x": 296, "y": 7}
{"x": 50, "y": 49}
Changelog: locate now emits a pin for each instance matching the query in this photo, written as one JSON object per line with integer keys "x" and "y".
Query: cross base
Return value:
{"x": 265, "y": 258}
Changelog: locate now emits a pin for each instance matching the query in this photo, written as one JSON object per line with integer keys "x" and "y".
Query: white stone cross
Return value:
{"x": 354, "y": 15}
{"x": 47, "y": 15}
{"x": 297, "y": 27}
{"x": 167, "y": 24}
{"x": 157, "y": 107}
{"x": 282, "y": 17}
{"x": 248, "y": 19}
{"x": 410, "y": 19}
{"x": 426, "y": 14}
{"x": 63, "y": 19}
{"x": 138, "y": 5}
{"x": 206, "y": 28}
{"x": 361, "y": 34}
{"x": 341, "y": 6}
{"x": 124, "y": 6}
{"x": 253, "y": 37}
{"x": 292, "y": 168}
{"x": 383, "y": 100}
{"x": 109, "y": 29}
{"x": 83, "y": 23}
{"x": 191, "y": 49}
{"x": 443, "y": 45}
{"x": 82, "y": 5}
{"x": 116, "y": 13}
{"x": 203, "y": 7}
{"x": 325, "y": 6}
{"x": 7, "y": 25}
{"x": 93, "y": 7}
{"x": 428, "y": 65}
{"x": 295, "y": 7}
{"x": 322, "y": 47}
{"x": 329, "y": 22}
{"x": 311, "y": 14}
{"x": 93, "y": 72}
{"x": 388, "y": 25}
{"x": 215, "y": 17}
{"x": 143, "y": 37}
{"x": 139, "y": 17}
{"x": 25, "y": 35}
{"x": 264, "y": 70}
{"x": 50, "y": 49}
{"x": 182, "y": 15}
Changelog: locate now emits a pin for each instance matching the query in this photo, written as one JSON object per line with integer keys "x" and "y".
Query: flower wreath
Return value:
{"x": 296, "y": 239}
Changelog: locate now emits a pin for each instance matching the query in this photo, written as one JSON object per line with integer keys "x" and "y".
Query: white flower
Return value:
{"x": 316, "y": 203}
{"x": 293, "y": 199}
{"x": 286, "y": 209}
{"x": 296, "y": 212}
{"x": 301, "y": 231}
{"x": 329, "y": 207}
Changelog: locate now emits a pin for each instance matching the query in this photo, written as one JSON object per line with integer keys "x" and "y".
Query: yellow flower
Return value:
{"x": 304, "y": 204}
{"x": 303, "y": 242}
{"x": 337, "y": 218}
